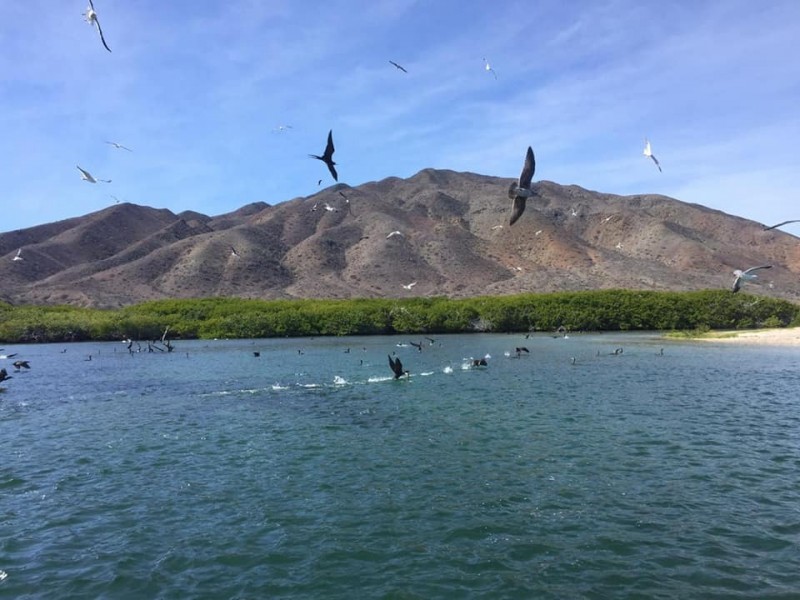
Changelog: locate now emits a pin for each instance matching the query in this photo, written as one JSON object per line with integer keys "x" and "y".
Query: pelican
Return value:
{"x": 745, "y": 275}
{"x": 781, "y": 224}
{"x": 519, "y": 192}
{"x": 86, "y": 176}
{"x": 91, "y": 17}
{"x": 119, "y": 146}
{"x": 489, "y": 68}
{"x": 397, "y": 367}
{"x": 394, "y": 233}
{"x": 391, "y": 62}
{"x": 21, "y": 364}
{"x": 4, "y": 375}
{"x": 409, "y": 286}
{"x": 19, "y": 255}
{"x": 327, "y": 156}
{"x": 649, "y": 153}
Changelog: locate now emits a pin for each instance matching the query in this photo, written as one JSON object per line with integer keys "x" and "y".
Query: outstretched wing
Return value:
{"x": 527, "y": 169}
{"x": 781, "y": 224}
{"x": 751, "y": 269}
{"x": 517, "y": 208}
{"x": 329, "y": 149}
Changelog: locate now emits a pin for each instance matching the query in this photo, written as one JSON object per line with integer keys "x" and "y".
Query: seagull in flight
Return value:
{"x": 281, "y": 128}
{"x": 409, "y": 286}
{"x": 746, "y": 275}
{"x": 396, "y": 366}
{"x": 781, "y": 224}
{"x": 327, "y": 156}
{"x": 394, "y": 233}
{"x": 519, "y": 192}
{"x": 234, "y": 253}
{"x": 397, "y": 66}
{"x": 119, "y": 146}
{"x": 489, "y": 68}
{"x": 19, "y": 255}
{"x": 649, "y": 153}
{"x": 91, "y": 17}
{"x": 86, "y": 176}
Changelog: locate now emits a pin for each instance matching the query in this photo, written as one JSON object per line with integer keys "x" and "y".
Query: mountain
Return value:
{"x": 455, "y": 241}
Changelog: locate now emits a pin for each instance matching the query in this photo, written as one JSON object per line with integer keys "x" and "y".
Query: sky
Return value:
{"x": 198, "y": 89}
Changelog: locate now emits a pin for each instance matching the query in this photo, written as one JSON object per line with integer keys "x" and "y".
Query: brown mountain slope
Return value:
{"x": 454, "y": 240}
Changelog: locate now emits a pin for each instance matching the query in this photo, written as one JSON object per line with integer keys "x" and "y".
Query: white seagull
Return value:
{"x": 649, "y": 153}
{"x": 746, "y": 275}
{"x": 394, "y": 233}
{"x": 619, "y": 246}
{"x": 91, "y": 17}
{"x": 19, "y": 255}
{"x": 489, "y": 68}
{"x": 86, "y": 176}
{"x": 119, "y": 146}
{"x": 281, "y": 128}
{"x": 410, "y": 285}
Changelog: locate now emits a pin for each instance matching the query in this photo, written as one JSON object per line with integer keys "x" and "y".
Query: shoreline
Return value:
{"x": 784, "y": 336}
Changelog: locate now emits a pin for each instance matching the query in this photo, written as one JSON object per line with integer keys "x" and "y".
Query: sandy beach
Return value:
{"x": 789, "y": 336}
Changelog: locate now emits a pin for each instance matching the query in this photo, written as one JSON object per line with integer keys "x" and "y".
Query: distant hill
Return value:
{"x": 455, "y": 242}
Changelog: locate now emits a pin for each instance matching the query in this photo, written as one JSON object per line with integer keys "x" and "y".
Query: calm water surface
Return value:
{"x": 211, "y": 473}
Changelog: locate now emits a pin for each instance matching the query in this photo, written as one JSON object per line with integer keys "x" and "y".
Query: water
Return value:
{"x": 221, "y": 475}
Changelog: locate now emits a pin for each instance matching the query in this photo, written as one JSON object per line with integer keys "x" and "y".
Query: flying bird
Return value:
{"x": 4, "y": 375}
{"x": 649, "y": 153}
{"x": 19, "y": 255}
{"x": 746, "y": 275}
{"x": 781, "y": 224}
{"x": 519, "y": 192}
{"x": 489, "y": 68}
{"x": 281, "y": 128}
{"x": 394, "y": 233}
{"x": 91, "y": 17}
{"x": 86, "y": 176}
{"x": 21, "y": 364}
{"x": 119, "y": 146}
{"x": 397, "y": 367}
{"x": 409, "y": 286}
{"x": 234, "y": 252}
{"x": 397, "y": 66}
{"x": 327, "y": 156}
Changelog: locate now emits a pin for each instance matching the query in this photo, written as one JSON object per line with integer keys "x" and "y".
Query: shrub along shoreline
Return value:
{"x": 601, "y": 310}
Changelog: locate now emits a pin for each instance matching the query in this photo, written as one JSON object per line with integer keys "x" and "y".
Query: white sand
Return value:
{"x": 789, "y": 336}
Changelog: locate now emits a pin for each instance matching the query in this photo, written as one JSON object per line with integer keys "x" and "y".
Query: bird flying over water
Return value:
{"x": 86, "y": 176}
{"x": 746, "y": 275}
{"x": 327, "y": 156}
{"x": 4, "y": 375}
{"x": 519, "y": 192}
{"x": 649, "y": 153}
{"x": 489, "y": 68}
{"x": 91, "y": 17}
{"x": 781, "y": 224}
{"x": 21, "y": 364}
{"x": 397, "y": 66}
{"x": 119, "y": 146}
{"x": 397, "y": 367}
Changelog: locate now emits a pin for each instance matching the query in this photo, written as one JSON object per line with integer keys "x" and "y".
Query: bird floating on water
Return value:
{"x": 119, "y": 146}
{"x": 746, "y": 275}
{"x": 397, "y": 66}
{"x": 86, "y": 176}
{"x": 327, "y": 156}
{"x": 91, "y": 17}
{"x": 649, "y": 153}
{"x": 519, "y": 192}
{"x": 397, "y": 367}
{"x": 781, "y": 224}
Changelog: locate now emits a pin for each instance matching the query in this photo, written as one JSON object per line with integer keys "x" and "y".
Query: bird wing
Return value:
{"x": 737, "y": 283}
{"x": 329, "y": 149}
{"x": 527, "y": 169}
{"x": 751, "y": 269}
{"x": 332, "y": 169}
{"x": 517, "y": 208}
{"x": 781, "y": 224}
{"x": 86, "y": 174}
{"x": 396, "y": 365}
{"x": 99, "y": 30}
{"x": 655, "y": 160}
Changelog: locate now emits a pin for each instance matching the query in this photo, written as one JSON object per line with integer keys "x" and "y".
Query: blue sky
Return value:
{"x": 196, "y": 89}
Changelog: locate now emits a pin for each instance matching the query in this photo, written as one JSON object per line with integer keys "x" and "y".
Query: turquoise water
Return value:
{"x": 211, "y": 473}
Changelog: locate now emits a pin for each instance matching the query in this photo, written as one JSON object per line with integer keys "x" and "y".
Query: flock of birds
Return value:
{"x": 518, "y": 192}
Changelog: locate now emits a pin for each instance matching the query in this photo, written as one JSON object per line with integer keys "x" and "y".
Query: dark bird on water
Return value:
{"x": 519, "y": 192}
{"x": 397, "y": 367}
{"x": 21, "y": 364}
{"x": 781, "y": 224}
{"x": 522, "y": 349}
{"x": 4, "y": 375}
{"x": 479, "y": 362}
{"x": 397, "y": 66}
{"x": 256, "y": 353}
{"x": 327, "y": 156}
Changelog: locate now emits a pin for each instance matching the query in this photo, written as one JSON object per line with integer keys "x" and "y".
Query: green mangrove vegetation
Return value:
{"x": 603, "y": 310}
